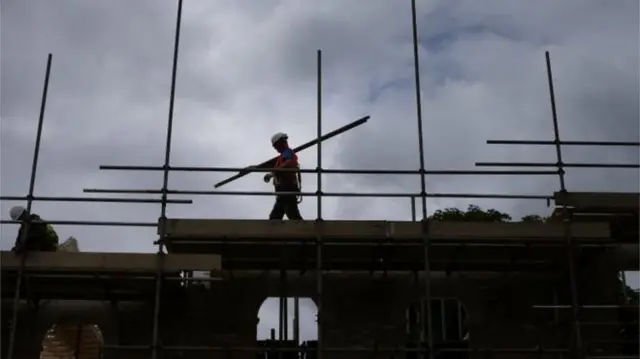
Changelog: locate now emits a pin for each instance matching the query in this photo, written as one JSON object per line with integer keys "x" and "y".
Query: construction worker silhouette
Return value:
{"x": 40, "y": 237}
{"x": 285, "y": 181}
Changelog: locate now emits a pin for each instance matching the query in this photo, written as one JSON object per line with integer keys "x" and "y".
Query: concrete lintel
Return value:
{"x": 110, "y": 262}
{"x": 353, "y": 230}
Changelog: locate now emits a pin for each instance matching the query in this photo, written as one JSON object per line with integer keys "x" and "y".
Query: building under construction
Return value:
{"x": 383, "y": 289}
{"x": 368, "y": 279}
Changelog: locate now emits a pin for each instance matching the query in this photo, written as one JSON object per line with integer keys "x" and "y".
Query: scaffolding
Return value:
{"x": 428, "y": 239}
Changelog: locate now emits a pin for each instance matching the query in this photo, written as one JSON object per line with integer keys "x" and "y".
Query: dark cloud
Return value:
{"x": 248, "y": 71}
{"x": 490, "y": 83}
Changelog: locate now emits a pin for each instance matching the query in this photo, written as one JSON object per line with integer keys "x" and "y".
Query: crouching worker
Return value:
{"x": 285, "y": 181}
{"x": 40, "y": 237}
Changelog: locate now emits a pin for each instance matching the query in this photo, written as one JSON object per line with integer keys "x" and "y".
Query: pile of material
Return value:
{"x": 72, "y": 341}
{"x": 70, "y": 245}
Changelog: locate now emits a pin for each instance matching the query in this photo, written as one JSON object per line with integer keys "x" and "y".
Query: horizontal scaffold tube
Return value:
{"x": 338, "y": 349}
{"x": 324, "y": 194}
{"x": 330, "y": 171}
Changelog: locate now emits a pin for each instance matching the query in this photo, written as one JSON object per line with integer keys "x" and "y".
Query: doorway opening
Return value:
{"x": 288, "y": 319}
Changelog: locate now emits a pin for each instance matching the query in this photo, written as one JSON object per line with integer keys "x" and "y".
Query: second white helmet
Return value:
{"x": 16, "y": 212}
{"x": 278, "y": 136}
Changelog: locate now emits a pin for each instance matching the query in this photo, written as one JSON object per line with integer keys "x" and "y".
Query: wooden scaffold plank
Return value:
{"x": 367, "y": 230}
{"x": 599, "y": 202}
{"x": 110, "y": 262}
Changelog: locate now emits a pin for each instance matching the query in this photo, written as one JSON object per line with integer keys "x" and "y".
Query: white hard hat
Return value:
{"x": 277, "y": 137}
{"x": 16, "y": 212}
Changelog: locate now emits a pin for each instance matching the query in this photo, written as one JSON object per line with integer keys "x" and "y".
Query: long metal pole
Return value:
{"x": 270, "y": 163}
{"x": 165, "y": 183}
{"x": 319, "y": 226}
{"x": 426, "y": 303}
{"x": 566, "y": 215}
{"x": 32, "y": 184}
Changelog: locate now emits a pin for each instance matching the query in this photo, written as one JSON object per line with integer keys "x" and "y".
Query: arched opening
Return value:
{"x": 287, "y": 322}
{"x": 72, "y": 341}
{"x": 449, "y": 326}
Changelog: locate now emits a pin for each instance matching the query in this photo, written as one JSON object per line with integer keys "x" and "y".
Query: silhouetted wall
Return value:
{"x": 356, "y": 312}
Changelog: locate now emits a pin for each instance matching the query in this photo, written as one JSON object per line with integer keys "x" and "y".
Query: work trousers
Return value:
{"x": 286, "y": 204}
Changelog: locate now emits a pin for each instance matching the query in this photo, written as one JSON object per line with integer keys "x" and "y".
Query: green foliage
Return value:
{"x": 534, "y": 218}
{"x": 472, "y": 214}
{"x": 476, "y": 214}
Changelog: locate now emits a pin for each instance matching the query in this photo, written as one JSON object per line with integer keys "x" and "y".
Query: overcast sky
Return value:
{"x": 247, "y": 70}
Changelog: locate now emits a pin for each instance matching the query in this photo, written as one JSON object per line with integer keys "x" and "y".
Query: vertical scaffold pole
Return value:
{"x": 155, "y": 349}
{"x": 425, "y": 304}
{"x": 413, "y": 209}
{"x": 25, "y": 232}
{"x": 319, "y": 219}
{"x": 285, "y": 307}
{"x": 566, "y": 217}
{"x": 296, "y": 319}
